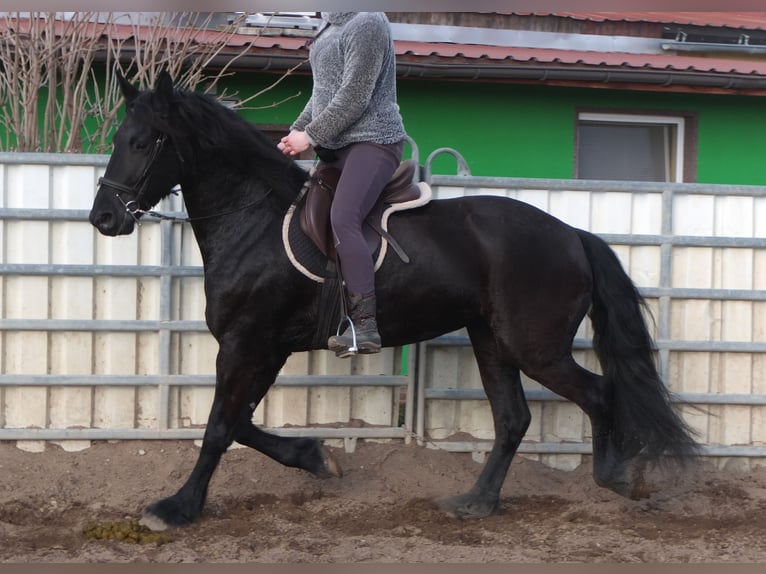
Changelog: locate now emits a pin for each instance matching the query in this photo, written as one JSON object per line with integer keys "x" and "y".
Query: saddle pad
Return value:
{"x": 306, "y": 256}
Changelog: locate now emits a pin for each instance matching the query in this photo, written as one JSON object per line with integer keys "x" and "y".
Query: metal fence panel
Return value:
{"x": 105, "y": 337}
{"x": 697, "y": 253}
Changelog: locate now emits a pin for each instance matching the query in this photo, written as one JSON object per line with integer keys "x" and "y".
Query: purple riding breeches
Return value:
{"x": 366, "y": 168}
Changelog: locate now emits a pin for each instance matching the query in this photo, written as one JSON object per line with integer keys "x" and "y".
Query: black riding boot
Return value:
{"x": 362, "y": 312}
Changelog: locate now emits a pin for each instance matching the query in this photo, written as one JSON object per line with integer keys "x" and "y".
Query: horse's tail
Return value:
{"x": 644, "y": 418}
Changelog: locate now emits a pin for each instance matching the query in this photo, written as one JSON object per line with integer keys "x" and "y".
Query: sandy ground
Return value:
{"x": 381, "y": 510}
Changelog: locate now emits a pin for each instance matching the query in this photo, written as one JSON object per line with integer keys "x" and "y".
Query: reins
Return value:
{"x": 166, "y": 217}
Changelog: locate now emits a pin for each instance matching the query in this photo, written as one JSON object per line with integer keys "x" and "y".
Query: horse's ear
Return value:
{"x": 128, "y": 90}
{"x": 164, "y": 87}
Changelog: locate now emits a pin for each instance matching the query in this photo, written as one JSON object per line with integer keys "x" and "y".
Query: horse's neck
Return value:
{"x": 245, "y": 206}
{"x": 215, "y": 208}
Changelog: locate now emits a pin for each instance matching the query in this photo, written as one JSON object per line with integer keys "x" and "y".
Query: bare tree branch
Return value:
{"x": 64, "y": 70}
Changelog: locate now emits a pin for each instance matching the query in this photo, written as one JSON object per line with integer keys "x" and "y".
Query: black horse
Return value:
{"x": 519, "y": 280}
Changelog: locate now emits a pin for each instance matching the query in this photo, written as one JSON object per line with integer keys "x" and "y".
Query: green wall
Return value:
{"x": 516, "y": 130}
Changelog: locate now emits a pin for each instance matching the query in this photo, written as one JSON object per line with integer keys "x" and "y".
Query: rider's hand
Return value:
{"x": 294, "y": 143}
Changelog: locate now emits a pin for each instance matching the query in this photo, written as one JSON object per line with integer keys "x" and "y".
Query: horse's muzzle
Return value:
{"x": 111, "y": 223}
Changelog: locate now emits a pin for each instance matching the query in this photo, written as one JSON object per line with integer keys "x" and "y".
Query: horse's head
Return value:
{"x": 144, "y": 165}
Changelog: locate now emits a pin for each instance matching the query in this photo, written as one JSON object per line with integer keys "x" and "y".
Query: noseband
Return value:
{"x": 133, "y": 207}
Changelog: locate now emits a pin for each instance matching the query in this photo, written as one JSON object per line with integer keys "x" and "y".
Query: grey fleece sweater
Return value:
{"x": 354, "y": 94}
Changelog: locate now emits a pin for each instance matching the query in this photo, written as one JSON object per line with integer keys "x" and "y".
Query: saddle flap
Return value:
{"x": 315, "y": 215}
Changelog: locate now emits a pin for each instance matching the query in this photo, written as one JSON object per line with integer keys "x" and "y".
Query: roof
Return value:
{"x": 579, "y": 59}
{"x": 536, "y": 56}
{"x": 664, "y": 62}
{"x": 670, "y": 69}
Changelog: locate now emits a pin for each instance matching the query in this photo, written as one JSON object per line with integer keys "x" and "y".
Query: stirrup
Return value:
{"x": 354, "y": 348}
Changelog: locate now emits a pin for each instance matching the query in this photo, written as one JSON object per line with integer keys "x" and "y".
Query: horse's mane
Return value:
{"x": 203, "y": 128}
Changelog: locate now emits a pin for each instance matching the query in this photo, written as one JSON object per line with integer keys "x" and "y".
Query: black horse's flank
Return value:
{"x": 519, "y": 281}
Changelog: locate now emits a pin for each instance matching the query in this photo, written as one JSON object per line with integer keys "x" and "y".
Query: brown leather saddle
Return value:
{"x": 401, "y": 193}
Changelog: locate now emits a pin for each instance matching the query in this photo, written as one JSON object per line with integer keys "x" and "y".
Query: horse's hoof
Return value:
{"x": 467, "y": 506}
{"x": 639, "y": 487}
{"x": 153, "y": 522}
{"x": 629, "y": 482}
{"x": 163, "y": 515}
{"x": 330, "y": 467}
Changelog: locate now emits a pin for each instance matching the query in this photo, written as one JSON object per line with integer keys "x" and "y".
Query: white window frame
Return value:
{"x": 677, "y": 121}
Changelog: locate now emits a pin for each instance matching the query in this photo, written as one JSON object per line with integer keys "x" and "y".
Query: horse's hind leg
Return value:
{"x": 614, "y": 467}
{"x": 511, "y": 418}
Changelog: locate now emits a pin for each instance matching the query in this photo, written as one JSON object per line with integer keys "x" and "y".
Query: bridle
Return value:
{"x": 133, "y": 207}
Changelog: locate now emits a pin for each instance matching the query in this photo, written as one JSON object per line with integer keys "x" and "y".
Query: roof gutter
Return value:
{"x": 548, "y": 73}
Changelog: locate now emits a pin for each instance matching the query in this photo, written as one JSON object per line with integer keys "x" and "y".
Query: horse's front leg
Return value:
{"x": 240, "y": 378}
{"x": 306, "y": 453}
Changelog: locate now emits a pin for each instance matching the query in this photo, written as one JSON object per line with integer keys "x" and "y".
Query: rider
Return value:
{"x": 352, "y": 121}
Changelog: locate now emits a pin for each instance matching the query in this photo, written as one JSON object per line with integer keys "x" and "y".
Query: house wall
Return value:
{"x": 517, "y": 130}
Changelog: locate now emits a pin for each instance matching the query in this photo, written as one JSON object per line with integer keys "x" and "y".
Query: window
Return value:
{"x": 632, "y": 147}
